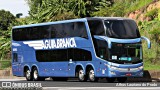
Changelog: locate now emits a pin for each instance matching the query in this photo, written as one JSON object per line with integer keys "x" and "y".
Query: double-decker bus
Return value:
{"x": 87, "y": 48}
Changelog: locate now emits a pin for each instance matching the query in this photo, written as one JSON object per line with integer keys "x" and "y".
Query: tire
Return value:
{"x": 81, "y": 76}
{"x": 122, "y": 79}
{"x": 28, "y": 75}
{"x": 111, "y": 79}
{"x": 36, "y": 75}
{"x": 91, "y": 75}
{"x": 59, "y": 78}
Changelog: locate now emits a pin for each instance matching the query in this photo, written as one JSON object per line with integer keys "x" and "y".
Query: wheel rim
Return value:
{"x": 91, "y": 75}
{"x": 28, "y": 74}
{"x": 81, "y": 75}
{"x": 35, "y": 74}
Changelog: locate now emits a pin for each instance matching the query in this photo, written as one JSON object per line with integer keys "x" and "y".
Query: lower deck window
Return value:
{"x": 63, "y": 55}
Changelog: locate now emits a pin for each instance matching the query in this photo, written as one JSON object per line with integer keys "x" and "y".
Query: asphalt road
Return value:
{"x": 74, "y": 84}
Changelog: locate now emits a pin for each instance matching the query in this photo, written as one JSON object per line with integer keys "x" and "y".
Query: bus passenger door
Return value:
{"x": 71, "y": 68}
{"x": 16, "y": 64}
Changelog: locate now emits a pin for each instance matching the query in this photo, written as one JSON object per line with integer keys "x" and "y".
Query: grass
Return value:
{"x": 153, "y": 13}
{"x": 149, "y": 66}
{"x": 5, "y": 64}
{"x": 124, "y": 7}
{"x": 138, "y": 4}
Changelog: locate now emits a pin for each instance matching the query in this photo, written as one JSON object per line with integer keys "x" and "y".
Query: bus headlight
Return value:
{"x": 141, "y": 67}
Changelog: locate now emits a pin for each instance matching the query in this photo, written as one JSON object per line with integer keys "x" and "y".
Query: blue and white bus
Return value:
{"x": 87, "y": 48}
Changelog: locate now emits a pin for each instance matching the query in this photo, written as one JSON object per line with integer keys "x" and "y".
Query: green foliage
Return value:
{"x": 85, "y": 8}
{"x": 158, "y": 18}
{"x": 49, "y": 10}
{"x": 121, "y": 8}
{"x": 136, "y": 5}
{"x": 5, "y": 64}
{"x": 151, "y": 30}
{"x": 152, "y": 14}
{"x": 6, "y": 19}
{"x": 5, "y": 44}
{"x": 116, "y": 9}
{"x": 149, "y": 66}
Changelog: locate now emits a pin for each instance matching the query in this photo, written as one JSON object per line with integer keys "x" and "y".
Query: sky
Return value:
{"x": 15, "y": 6}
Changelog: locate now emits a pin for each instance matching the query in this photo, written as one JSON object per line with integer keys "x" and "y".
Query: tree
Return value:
{"x": 6, "y": 19}
{"x": 49, "y": 10}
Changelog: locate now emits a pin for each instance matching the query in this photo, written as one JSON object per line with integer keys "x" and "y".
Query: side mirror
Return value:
{"x": 148, "y": 41}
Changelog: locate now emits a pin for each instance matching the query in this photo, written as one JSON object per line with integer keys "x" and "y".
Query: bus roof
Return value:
{"x": 108, "y": 18}
{"x": 72, "y": 20}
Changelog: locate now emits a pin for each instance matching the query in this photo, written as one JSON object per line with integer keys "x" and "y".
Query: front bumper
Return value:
{"x": 125, "y": 70}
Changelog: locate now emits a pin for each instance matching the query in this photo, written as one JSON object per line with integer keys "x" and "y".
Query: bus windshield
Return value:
{"x": 119, "y": 53}
{"x": 122, "y": 29}
{"x": 126, "y": 53}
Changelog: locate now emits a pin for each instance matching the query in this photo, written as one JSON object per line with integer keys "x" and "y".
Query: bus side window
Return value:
{"x": 15, "y": 57}
{"x": 80, "y": 30}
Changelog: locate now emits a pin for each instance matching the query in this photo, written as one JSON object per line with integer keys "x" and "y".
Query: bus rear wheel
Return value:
{"x": 81, "y": 76}
{"x": 91, "y": 75}
{"x": 28, "y": 75}
{"x": 36, "y": 75}
{"x": 122, "y": 79}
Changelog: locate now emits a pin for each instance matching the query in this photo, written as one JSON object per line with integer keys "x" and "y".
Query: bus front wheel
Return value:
{"x": 28, "y": 75}
{"x": 81, "y": 76}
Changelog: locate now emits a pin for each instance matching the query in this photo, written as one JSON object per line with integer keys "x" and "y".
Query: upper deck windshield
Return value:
{"x": 121, "y": 29}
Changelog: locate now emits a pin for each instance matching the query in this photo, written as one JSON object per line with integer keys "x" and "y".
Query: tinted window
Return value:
{"x": 63, "y": 55}
{"x": 101, "y": 48}
{"x": 31, "y": 33}
{"x": 121, "y": 29}
{"x": 15, "y": 57}
{"x": 114, "y": 28}
{"x": 76, "y": 29}
{"x": 96, "y": 27}
{"x": 126, "y": 53}
{"x": 39, "y": 33}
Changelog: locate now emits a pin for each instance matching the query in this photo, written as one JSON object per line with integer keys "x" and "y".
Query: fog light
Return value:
{"x": 141, "y": 67}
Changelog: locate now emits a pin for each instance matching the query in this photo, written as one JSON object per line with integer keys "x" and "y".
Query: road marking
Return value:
{"x": 101, "y": 88}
